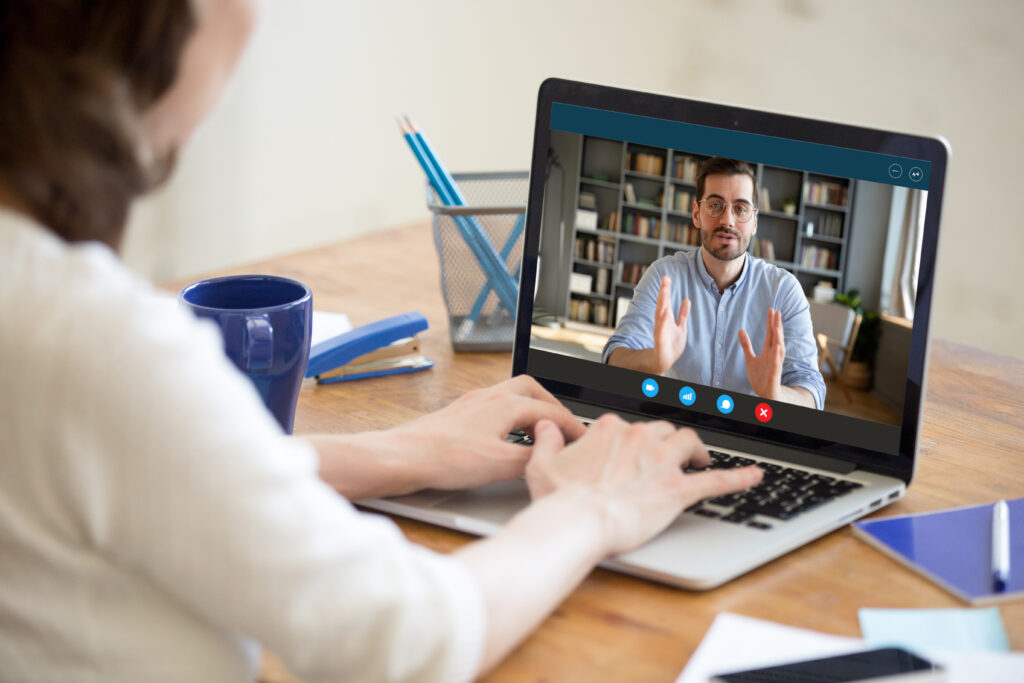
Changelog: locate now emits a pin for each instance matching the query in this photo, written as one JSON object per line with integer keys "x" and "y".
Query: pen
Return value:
{"x": 1000, "y": 545}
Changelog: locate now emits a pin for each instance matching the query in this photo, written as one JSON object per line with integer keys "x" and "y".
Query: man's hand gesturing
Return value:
{"x": 669, "y": 331}
{"x": 764, "y": 371}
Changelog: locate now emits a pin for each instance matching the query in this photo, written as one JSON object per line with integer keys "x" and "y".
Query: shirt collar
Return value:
{"x": 709, "y": 281}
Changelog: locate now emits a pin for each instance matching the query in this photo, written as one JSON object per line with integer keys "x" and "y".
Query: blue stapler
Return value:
{"x": 385, "y": 347}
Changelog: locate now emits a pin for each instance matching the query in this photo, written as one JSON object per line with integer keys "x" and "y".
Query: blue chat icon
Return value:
{"x": 650, "y": 388}
{"x": 725, "y": 404}
{"x": 687, "y": 396}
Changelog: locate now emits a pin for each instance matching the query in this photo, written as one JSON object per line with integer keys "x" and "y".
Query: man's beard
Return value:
{"x": 724, "y": 252}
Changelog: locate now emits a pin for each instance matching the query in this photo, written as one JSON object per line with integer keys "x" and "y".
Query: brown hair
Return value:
{"x": 75, "y": 78}
{"x": 723, "y": 166}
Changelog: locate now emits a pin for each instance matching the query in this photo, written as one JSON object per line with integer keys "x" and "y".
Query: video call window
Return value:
{"x": 842, "y": 250}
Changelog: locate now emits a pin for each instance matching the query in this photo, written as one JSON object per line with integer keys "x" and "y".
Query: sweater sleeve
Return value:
{"x": 180, "y": 474}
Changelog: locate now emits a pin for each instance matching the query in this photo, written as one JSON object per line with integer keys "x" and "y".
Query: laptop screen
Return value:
{"x": 739, "y": 271}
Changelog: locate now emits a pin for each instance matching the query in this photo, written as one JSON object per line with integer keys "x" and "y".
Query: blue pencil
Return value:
{"x": 478, "y": 305}
{"x": 470, "y": 229}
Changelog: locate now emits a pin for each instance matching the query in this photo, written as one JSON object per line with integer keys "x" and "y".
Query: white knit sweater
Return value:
{"x": 155, "y": 523}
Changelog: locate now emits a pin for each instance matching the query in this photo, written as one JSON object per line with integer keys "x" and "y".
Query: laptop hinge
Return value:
{"x": 788, "y": 454}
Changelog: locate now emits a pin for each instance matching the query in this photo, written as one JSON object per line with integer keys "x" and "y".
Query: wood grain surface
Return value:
{"x": 619, "y": 628}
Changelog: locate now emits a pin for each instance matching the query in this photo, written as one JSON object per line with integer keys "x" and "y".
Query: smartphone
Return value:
{"x": 877, "y": 666}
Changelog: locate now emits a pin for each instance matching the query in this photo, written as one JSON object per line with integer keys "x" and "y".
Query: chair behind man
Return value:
{"x": 835, "y": 331}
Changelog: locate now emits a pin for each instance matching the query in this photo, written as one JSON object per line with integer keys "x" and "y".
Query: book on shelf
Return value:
{"x": 685, "y": 169}
{"x": 579, "y": 247}
{"x": 612, "y": 222}
{"x": 630, "y": 273}
{"x": 681, "y": 233}
{"x": 602, "y": 281}
{"x": 830, "y": 225}
{"x": 591, "y": 248}
{"x": 586, "y": 310}
{"x": 766, "y": 200}
{"x": 585, "y": 218}
{"x": 681, "y": 201}
{"x": 629, "y": 192}
{"x": 642, "y": 162}
{"x": 764, "y": 248}
{"x": 642, "y": 226}
{"x": 821, "y": 192}
{"x": 818, "y": 257}
{"x": 588, "y": 200}
{"x": 579, "y": 309}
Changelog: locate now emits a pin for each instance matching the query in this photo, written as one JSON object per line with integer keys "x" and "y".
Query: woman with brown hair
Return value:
{"x": 156, "y": 521}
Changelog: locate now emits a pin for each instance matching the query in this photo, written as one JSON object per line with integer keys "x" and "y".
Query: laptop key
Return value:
{"x": 516, "y": 436}
{"x": 738, "y": 516}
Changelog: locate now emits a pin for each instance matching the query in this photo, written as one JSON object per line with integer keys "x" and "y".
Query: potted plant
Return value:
{"x": 789, "y": 205}
{"x": 857, "y": 372}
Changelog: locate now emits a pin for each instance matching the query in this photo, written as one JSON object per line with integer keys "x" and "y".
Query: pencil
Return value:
{"x": 472, "y": 232}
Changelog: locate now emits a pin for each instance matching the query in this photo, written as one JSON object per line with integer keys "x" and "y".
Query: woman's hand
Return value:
{"x": 632, "y": 473}
{"x": 463, "y": 444}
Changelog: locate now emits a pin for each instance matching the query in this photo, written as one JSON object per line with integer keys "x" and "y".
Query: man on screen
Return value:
{"x": 721, "y": 292}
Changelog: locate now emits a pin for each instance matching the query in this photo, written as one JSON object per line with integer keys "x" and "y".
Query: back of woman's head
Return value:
{"x": 75, "y": 78}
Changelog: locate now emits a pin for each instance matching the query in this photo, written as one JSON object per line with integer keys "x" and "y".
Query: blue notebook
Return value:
{"x": 953, "y": 548}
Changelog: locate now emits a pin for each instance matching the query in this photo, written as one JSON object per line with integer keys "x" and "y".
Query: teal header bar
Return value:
{"x": 764, "y": 149}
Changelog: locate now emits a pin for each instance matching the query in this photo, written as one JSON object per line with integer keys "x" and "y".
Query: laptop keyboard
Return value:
{"x": 784, "y": 492}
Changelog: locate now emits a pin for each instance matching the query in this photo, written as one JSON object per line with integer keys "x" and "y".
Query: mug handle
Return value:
{"x": 259, "y": 343}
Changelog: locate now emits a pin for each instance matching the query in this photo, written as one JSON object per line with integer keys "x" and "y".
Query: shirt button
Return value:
{"x": 721, "y": 308}
{"x": 718, "y": 384}
{"x": 719, "y": 346}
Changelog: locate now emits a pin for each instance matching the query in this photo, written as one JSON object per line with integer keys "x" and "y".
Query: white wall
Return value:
{"x": 305, "y": 149}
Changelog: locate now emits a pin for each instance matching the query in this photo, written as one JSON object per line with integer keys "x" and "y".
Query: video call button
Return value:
{"x": 650, "y": 388}
{"x": 725, "y": 404}
{"x": 763, "y": 412}
{"x": 895, "y": 171}
{"x": 687, "y": 396}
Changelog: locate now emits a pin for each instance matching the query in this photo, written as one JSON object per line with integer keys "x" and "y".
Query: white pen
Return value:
{"x": 1000, "y": 545}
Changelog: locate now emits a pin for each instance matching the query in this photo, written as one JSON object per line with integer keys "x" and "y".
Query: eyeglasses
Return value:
{"x": 716, "y": 207}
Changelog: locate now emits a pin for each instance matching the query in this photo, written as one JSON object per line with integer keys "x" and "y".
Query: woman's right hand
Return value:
{"x": 632, "y": 473}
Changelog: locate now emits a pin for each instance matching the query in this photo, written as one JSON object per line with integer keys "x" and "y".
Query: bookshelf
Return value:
{"x": 633, "y": 206}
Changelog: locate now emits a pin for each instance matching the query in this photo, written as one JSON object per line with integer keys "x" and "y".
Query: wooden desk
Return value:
{"x": 618, "y": 628}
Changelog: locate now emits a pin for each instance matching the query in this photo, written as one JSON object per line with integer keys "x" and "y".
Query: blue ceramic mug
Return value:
{"x": 266, "y": 323}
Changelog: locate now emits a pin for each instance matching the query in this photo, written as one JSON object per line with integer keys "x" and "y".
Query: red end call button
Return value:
{"x": 763, "y": 412}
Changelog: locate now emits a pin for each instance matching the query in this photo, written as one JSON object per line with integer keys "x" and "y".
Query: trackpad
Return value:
{"x": 494, "y": 503}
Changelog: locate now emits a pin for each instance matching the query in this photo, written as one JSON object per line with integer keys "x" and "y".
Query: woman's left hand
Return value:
{"x": 463, "y": 444}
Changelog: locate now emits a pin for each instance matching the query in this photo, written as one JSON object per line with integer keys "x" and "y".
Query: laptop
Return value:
{"x": 841, "y": 210}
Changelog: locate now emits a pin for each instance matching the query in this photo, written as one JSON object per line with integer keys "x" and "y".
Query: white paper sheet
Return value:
{"x": 735, "y": 643}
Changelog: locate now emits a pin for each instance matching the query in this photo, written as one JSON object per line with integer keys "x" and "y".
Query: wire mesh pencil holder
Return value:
{"x": 480, "y": 248}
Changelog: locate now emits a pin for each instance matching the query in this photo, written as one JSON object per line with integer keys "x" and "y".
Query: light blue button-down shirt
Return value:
{"x": 713, "y": 354}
